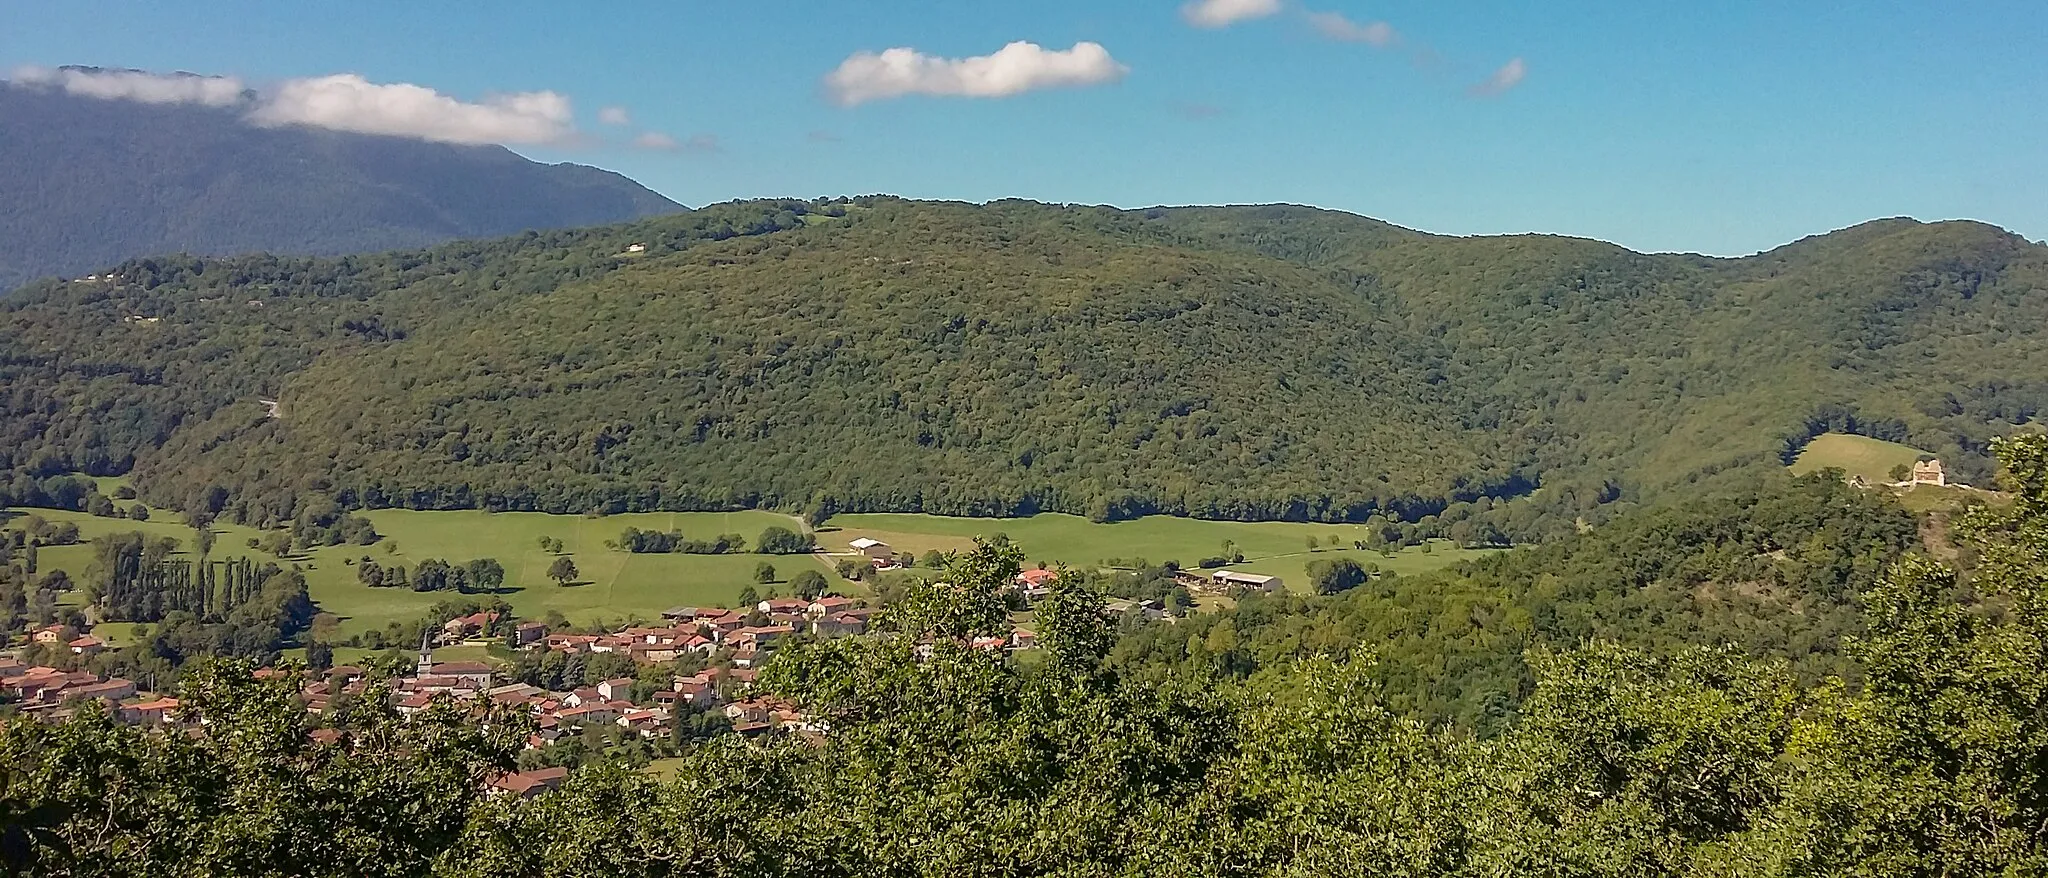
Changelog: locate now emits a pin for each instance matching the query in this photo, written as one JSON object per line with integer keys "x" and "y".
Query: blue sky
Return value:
{"x": 1722, "y": 128}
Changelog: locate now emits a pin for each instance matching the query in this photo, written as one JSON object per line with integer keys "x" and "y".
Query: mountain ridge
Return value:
{"x": 91, "y": 182}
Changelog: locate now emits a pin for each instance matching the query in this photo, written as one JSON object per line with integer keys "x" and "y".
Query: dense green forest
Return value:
{"x": 1623, "y": 761}
{"x": 880, "y": 354}
{"x": 1769, "y": 569}
{"x": 90, "y": 181}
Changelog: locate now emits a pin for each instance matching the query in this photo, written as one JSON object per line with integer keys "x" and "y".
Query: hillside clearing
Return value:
{"x": 1873, "y": 459}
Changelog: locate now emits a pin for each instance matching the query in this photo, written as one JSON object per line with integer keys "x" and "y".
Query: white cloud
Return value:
{"x": 1335, "y": 26}
{"x": 1224, "y": 13}
{"x": 135, "y": 85}
{"x": 656, "y": 140}
{"x": 1016, "y": 68}
{"x": 1508, "y": 76}
{"x": 701, "y": 144}
{"x": 614, "y": 116}
{"x": 347, "y": 102}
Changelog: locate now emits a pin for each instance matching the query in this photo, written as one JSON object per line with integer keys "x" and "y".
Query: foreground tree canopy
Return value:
{"x": 885, "y": 355}
{"x": 1623, "y": 762}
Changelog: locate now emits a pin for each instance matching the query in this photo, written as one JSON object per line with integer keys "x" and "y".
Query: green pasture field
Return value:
{"x": 1293, "y": 569}
{"x": 1873, "y": 459}
{"x": 1270, "y": 547}
{"x": 611, "y": 585}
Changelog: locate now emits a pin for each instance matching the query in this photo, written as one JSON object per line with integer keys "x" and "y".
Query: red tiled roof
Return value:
{"x": 459, "y": 669}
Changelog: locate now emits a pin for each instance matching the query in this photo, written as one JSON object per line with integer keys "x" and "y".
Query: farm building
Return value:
{"x": 1254, "y": 581}
{"x": 1929, "y": 472}
{"x": 872, "y": 548}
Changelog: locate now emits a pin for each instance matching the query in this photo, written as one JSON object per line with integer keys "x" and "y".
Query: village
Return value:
{"x": 724, "y": 647}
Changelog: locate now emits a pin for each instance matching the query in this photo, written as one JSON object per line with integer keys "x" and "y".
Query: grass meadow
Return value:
{"x": 1270, "y": 547}
{"x": 1873, "y": 459}
{"x": 611, "y": 585}
{"x": 614, "y": 585}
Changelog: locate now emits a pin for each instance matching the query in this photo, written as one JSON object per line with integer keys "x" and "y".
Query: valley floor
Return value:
{"x": 614, "y": 585}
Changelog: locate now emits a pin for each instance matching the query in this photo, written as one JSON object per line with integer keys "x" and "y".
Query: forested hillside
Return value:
{"x": 879, "y": 354}
{"x": 90, "y": 182}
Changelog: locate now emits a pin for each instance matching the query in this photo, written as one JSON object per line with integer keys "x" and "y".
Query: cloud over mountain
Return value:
{"x": 340, "y": 102}
{"x": 135, "y": 85}
{"x": 348, "y": 102}
{"x": 1016, "y": 68}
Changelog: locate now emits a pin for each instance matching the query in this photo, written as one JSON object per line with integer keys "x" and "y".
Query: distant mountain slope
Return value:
{"x": 87, "y": 183}
{"x": 883, "y": 355}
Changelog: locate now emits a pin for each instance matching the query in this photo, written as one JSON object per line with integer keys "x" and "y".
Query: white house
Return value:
{"x": 875, "y": 549}
{"x": 616, "y": 690}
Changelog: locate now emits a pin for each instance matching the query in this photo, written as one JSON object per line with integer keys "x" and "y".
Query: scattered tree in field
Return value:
{"x": 748, "y": 598}
{"x": 764, "y": 573}
{"x": 486, "y": 574}
{"x": 563, "y": 571}
{"x": 1902, "y": 472}
{"x": 320, "y": 656}
{"x": 808, "y": 584}
{"x": 1333, "y": 575}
